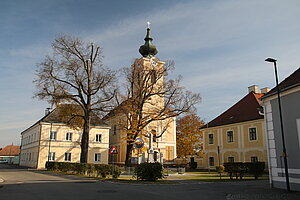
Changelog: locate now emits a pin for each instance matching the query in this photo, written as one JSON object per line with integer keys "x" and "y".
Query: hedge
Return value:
{"x": 85, "y": 169}
{"x": 149, "y": 171}
{"x": 240, "y": 168}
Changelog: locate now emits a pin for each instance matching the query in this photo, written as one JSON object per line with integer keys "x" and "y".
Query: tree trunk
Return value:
{"x": 128, "y": 155}
{"x": 85, "y": 140}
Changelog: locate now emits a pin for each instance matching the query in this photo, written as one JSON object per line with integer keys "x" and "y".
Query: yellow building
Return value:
{"x": 238, "y": 134}
{"x": 51, "y": 140}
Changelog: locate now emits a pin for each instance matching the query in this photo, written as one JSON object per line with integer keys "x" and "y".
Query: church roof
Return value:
{"x": 243, "y": 110}
{"x": 292, "y": 81}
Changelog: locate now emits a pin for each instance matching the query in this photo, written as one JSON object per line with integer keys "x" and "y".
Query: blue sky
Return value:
{"x": 219, "y": 47}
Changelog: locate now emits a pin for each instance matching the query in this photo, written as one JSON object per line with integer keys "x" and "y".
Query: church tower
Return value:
{"x": 150, "y": 72}
{"x": 145, "y": 105}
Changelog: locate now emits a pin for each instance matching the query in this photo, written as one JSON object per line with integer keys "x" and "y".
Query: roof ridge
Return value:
{"x": 239, "y": 111}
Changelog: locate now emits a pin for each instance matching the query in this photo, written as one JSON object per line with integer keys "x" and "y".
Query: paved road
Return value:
{"x": 27, "y": 184}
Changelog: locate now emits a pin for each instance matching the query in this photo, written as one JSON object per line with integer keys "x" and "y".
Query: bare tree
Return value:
{"x": 74, "y": 74}
{"x": 151, "y": 97}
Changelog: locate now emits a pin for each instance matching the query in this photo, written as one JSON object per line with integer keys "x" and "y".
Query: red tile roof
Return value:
{"x": 244, "y": 110}
{"x": 292, "y": 81}
{"x": 10, "y": 150}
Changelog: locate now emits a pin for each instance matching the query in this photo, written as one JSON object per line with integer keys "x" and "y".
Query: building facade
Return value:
{"x": 237, "y": 135}
{"x": 290, "y": 103}
{"x": 51, "y": 140}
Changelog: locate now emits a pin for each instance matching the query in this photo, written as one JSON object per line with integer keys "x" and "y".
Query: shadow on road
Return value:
{"x": 42, "y": 185}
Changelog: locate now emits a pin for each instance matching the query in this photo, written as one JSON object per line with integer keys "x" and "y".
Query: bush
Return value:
{"x": 257, "y": 169}
{"x": 236, "y": 168}
{"x": 239, "y": 169}
{"x": 115, "y": 171}
{"x": 193, "y": 165}
{"x": 84, "y": 169}
{"x": 102, "y": 170}
{"x": 220, "y": 168}
{"x": 149, "y": 171}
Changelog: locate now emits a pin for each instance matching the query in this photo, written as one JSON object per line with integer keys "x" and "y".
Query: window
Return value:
{"x": 51, "y": 156}
{"x": 231, "y": 159}
{"x": 252, "y": 133}
{"x": 229, "y": 136}
{"x": 53, "y": 135}
{"x": 69, "y": 136}
{"x": 67, "y": 156}
{"x": 211, "y": 161}
{"x": 154, "y": 135}
{"x": 153, "y": 76}
{"x": 97, "y": 157}
{"x": 98, "y": 137}
{"x": 210, "y": 138}
{"x": 254, "y": 159}
{"x": 114, "y": 129}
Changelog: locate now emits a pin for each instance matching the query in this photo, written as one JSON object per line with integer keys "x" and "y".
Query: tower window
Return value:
{"x": 98, "y": 137}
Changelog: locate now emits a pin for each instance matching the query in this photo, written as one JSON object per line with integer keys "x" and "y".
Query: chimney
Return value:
{"x": 265, "y": 90}
{"x": 47, "y": 111}
{"x": 253, "y": 88}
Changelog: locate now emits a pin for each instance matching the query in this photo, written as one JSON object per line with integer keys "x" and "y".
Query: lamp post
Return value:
{"x": 272, "y": 60}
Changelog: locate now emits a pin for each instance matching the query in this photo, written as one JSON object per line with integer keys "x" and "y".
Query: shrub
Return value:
{"x": 79, "y": 168}
{"x": 193, "y": 165}
{"x": 220, "y": 168}
{"x": 102, "y": 170}
{"x": 257, "y": 169}
{"x": 84, "y": 168}
{"x": 149, "y": 171}
{"x": 115, "y": 171}
{"x": 239, "y": 169}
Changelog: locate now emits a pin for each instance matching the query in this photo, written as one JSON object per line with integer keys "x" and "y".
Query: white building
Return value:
{"x": 290, "y": 103}
{"x": 51, "y": 140}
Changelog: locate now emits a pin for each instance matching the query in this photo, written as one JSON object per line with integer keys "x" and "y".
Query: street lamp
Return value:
{"x": 272, "y": 60}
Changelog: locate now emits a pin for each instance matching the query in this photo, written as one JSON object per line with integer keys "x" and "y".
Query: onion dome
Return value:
{"x": 148, "y": 50}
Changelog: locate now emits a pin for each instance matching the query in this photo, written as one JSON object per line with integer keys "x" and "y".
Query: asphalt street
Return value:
{"x": 29, "y": 184}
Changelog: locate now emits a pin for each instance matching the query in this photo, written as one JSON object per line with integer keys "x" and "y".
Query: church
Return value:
{"x": 140, "y": 117}
{"x": 50, "y": 139}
